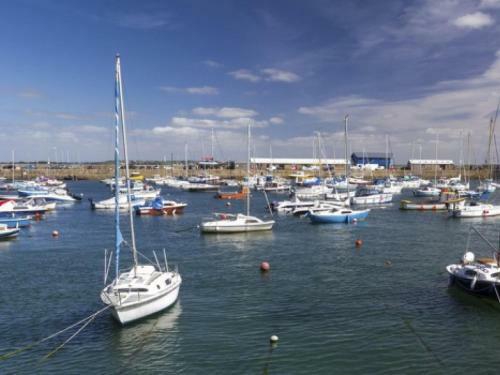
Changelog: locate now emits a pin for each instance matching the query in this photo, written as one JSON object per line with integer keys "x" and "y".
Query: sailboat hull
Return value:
{"x": 128, "y": 314}
{"x": 224, "y": 227}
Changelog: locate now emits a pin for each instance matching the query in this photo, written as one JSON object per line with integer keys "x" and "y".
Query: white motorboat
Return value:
{"x": 367, "y": 196}
{"x": 27, "y": 206}
{"x": 110, "y": 203}
{"x": 144, "y": 289}
{"x": 475, "y": 209}
{"x": 428, "y": 191}
{"x": 6, "y": 232}
{"x": 58, "y": 195}
{"x": 313, "y": 192}
{"x": 289, "y": 206}
{"x": 319, "y": 206}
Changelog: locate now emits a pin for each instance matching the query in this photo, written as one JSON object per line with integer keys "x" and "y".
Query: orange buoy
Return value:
{"x": 264, "y": 267}
{"x": 55, "y": 233}
{"x": 358, "y": 243}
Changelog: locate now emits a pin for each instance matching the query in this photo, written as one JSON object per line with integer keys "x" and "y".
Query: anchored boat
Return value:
{"x": 230, "y": 223}
{"x": 144, "y": 289}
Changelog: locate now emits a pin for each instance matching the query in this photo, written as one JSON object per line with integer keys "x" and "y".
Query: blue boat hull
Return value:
{"x": 13, "y": 222}
{"x": 337, "y": 218}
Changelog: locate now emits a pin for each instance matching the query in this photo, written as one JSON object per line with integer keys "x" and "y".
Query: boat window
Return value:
{"x": 157, "y": 286}
{"x": 126, "y": 290}
{"x": 496, "y": 274}
{"x": 168, "y": 281}
{"x": 470, "y": 273}
{"x": 345, "y": 212}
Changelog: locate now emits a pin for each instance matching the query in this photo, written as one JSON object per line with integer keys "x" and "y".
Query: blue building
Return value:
{"x": 380, "y": 158}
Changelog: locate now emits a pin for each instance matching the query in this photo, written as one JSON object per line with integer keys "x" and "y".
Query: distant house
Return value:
{"x": 380, "y": 158}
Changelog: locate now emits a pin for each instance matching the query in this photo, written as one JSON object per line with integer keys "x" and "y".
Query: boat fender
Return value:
{"x": 468, "y": 257}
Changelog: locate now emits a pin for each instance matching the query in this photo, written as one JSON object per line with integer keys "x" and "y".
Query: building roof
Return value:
{"x": 378, "y": 155}
{"x": 296, "y": 161}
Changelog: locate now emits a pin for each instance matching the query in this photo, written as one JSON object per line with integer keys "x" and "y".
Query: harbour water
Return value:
{"x": 383, "y": 308}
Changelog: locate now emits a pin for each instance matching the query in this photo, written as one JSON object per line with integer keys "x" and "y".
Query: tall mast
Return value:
{"x": 319, "y": 154}
{"x": 346, "y": 118}
{"x": 248, "y": 169}
{"x": 436, "y": 160}
{"x": 118, "y": 234}
{"x": 386, "y": 155}
{"x": 127, "y": 171}
{"x": 212, "y": 145}
{"x": 186, "y": 160}
{"x": 420, "y": 160}
{"x": 13, "y": 166}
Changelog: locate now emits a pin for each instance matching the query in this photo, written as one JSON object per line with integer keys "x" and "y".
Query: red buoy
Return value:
{"x": 264, "y": 267}
{"x": 358, "y": 243}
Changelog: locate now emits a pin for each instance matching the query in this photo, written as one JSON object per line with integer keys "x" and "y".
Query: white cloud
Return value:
{"x": 29, "y": 93}
{"x": 449, "y": 107}
{"x": 489, "y": 4}
{"x": 475, "y": 20}
{"x": 268, "y": 74}
{"x": 276, "y": 120}
{"x": 143, "y": 21}
{"x": 212, "y": 64}
{"x": 224, "y": 112}
{"x": 91, "y": 129}
{"x": 245, "y": 75}
{"x": 277, "y": 75}
{"x": 233, "y": 123}
{"x": 203, "y": 90}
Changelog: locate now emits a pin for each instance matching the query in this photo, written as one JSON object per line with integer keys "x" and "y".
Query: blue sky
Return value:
{"x": 407, "y": 69}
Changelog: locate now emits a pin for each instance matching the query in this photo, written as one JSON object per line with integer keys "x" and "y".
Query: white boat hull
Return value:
{"x": 477, "y": 211}
{"x": 238, "y": 228}
{"x": 372, "y": 199}
{"x": 128, "y": 314}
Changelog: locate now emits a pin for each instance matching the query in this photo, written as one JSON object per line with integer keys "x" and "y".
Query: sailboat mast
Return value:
{"x": 346, "y": 118}
{"x": 118, "y": 235}
{"x": 248, "y": 169}
{"x": 212, "y": 145}
{"x": 13, "y": 166}
{"x": 127, "y": 171}
{"x": 186, "y": 160}
{"x": 436, "y": 160}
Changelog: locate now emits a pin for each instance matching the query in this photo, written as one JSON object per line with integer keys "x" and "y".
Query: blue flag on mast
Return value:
{"x": 118, "y": 233}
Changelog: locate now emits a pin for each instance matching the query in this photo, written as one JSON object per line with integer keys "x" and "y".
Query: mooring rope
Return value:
{"x": 89, "y": 318}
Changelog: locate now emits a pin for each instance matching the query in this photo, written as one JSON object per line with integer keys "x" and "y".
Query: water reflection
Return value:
{"x": 238, "y": 241}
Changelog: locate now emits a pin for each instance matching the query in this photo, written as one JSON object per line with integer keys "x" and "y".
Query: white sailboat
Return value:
{"x": 144, "y": 289}
{"x": 230, "y": 223}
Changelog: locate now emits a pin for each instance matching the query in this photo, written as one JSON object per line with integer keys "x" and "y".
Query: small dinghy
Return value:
{"x": 240, "y": 194}
{"x": 14, "y": 221}
{"x": 6, "y": 232}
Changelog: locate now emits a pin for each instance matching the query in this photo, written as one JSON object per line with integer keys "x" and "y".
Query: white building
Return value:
{"x": 282, "y": 162}
{"x": 430, "y": 162}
